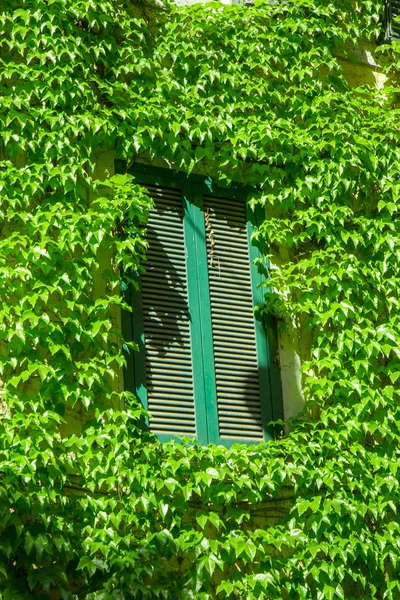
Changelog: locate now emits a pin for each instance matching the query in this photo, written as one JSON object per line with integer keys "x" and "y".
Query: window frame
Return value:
{"x": 193, "y": 188}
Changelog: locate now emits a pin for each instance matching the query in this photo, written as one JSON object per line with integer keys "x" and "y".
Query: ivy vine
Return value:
{"x": 252, "y": 94}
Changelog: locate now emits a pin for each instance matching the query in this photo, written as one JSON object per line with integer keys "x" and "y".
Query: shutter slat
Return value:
{"x": 233, "y": 327}
{"x": 176, "y": 294}
{"x": 168, "y": 322}
{"x": 169, "y": 373}
{"x": 182, "y": 405}
{"x": 154, "y": 349}
{"x": 171, "y": 278}
{"x": 224, "y": 355}
{"x": 182, "y": 367}
{"x": 178, "y": 427}
{"x": 253, "y": 405}
{"x": 231, "y": 299}
{"x": 166, "y": 235}
{"x": 159, "y": 303}
{"x": 235, "y": 271}
{"x": 235, "y": 317}
{"x": 241, "y": 326}
{"x": 171, "y": 397}
{"x": 236, "y": 381}
{"x": 234, "y": 335}
{"x": 234, "y": 284}
{"x": 176, "y": 385}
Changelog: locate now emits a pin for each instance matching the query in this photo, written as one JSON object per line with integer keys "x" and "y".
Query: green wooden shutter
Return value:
{"x": 166, "y": 320}
{"x": 395, "y": 7}
{"x": 392, "y": 26}
{"x": 233, "y": 326}
{"x": 204, "y": 368}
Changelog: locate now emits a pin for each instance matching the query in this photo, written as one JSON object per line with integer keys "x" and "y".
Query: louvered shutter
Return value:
{"x": 392, "y": 25}
{"x": 204, "y": 367}
{"x": 395, "y": 7}
{"x": 233, "y": 325}
{"x": 166, "y": 321}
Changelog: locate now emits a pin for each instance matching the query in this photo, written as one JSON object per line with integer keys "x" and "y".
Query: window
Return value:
{"x": 206, "y": 366}
{"x": 392, "y": 10}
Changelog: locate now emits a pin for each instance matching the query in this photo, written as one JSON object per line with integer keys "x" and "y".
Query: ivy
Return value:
{"x": 248, "y": 94}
